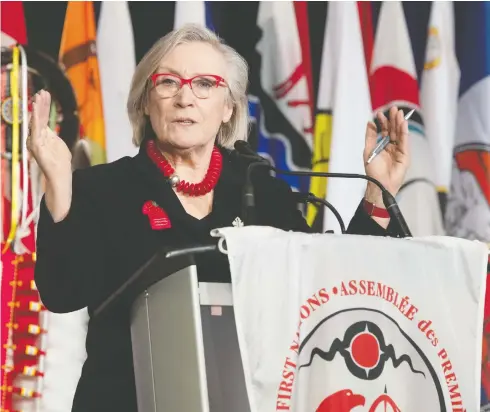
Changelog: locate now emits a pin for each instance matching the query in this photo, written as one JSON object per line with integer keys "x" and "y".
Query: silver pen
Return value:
{"x": 385, "y": 140}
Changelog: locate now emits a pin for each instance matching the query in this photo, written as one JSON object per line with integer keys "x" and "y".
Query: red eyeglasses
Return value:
{"x": 169, "y": 85}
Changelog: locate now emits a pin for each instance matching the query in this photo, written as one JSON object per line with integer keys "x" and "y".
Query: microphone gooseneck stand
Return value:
{"x": 311, "y": 198}
{"x": 258, "y": 161}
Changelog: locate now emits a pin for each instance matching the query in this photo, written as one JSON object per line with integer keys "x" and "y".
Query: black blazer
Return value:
{"x": 106, "y": 237}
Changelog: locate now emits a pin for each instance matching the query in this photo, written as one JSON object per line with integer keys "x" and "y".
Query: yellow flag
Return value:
{"x": 321, "y": 156}
{"x": 78, "y": 56}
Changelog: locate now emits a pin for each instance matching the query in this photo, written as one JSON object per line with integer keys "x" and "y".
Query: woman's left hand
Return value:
{"x": 390, "y": 166}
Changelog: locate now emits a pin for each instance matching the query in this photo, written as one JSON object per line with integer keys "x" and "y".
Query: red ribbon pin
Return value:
{"x": 157, "y": 216}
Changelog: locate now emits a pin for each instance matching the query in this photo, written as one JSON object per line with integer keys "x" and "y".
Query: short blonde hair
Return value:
{"x": 236, "y": 128}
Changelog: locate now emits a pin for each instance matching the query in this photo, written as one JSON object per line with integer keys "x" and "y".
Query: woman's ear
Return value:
{"x": 227, "y": 112}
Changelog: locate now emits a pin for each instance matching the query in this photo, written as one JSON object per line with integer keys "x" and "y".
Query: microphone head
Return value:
{"x": 240, "y": 157}
{"x": 243, "y": 147}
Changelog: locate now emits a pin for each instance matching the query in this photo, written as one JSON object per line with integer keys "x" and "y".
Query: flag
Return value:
{"x": 13, "y": 24}
{"x": 281, "y": 102}
{"x": 117, "y": 65}
{"x": 468, "y": 206}
{"x": 78, "y": 57}
{"x": 198, "y": 12}
{"x": 358, "y": 335}
{"x": 439, "y": 93}
{"x": 190, "y": 12}
{"x": 393, "y": 81}
{"x": 344, "y": 108}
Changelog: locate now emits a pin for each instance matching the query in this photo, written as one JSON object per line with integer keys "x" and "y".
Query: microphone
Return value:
{"x": 244, "y": 149}
{"x": 249, "y": 197}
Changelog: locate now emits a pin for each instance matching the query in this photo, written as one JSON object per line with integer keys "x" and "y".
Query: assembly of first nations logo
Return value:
{"x": 374, "y": 354}
{"x": 361, "y": 359}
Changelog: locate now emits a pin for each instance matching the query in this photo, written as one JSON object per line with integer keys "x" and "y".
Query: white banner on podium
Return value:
{"x": 358, "y": 323}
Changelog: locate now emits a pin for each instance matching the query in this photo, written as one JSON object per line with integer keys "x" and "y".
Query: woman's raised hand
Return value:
{"x": 52, "y": 156}
{"x": 50, "y": 151}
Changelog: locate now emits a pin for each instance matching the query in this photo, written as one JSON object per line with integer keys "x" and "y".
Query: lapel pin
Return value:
{"x": 237, "y": 222}
{"x": 156, "y": 215}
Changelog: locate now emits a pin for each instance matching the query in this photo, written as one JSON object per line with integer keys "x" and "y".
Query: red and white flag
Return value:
{"x": 284, "y": 74}
{"x": 393, "y": 81}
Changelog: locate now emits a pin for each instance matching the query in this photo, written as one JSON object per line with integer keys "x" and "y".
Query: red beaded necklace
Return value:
{"x": 191, "y": 189}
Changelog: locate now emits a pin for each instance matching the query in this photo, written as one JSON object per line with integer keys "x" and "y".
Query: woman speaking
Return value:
{"x": 187, "y": 106}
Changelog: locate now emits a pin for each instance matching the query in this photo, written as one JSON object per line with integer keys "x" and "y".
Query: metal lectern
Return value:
{"x": 185, "y": 347}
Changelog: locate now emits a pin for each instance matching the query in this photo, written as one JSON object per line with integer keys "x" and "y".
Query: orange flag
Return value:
{"x": 78, "y": 56}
